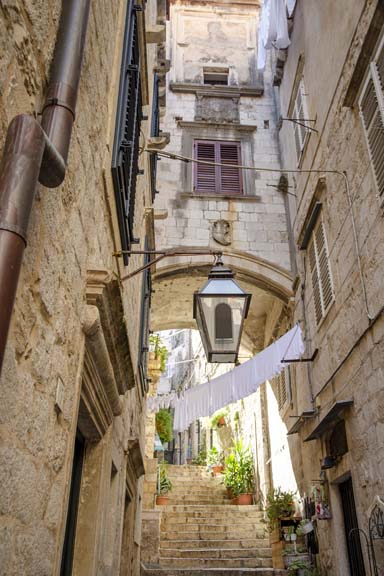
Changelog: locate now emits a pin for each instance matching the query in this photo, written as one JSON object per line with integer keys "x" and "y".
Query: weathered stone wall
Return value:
{"x": 257, "y": 223}
{"x": 73, "y": 229}
{"x": 350, "y": 360}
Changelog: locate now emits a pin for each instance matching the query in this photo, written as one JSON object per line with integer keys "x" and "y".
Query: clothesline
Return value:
{"x": 235, "y": 385}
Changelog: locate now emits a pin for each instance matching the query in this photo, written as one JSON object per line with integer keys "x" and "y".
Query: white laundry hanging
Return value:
{"x": 273, "y": 29}
{"x": 232, "y": 386}
{"x": 240, "y": 382}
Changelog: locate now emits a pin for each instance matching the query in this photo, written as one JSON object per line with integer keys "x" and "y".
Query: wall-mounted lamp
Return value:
{"x": 219, "y": 309}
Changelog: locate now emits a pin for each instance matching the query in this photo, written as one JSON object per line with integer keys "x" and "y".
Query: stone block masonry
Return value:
{"x": 73, "y": 230}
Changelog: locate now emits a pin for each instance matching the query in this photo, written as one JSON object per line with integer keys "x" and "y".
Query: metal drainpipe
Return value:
{"x": 33, "y": 152}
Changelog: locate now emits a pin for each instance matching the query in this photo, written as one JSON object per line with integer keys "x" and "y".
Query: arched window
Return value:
{"x": 223, "y": 322}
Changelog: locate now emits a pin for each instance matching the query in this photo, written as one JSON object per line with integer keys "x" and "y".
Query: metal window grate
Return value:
{"x": 127, "y": 132}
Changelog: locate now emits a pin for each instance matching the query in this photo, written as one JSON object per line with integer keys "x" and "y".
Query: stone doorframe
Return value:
{"x": 107, "y": 374}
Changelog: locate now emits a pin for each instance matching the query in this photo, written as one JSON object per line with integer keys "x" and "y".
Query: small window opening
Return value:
{"x": 223, "y": 322}
{"x": 338, "y": 445}
{"x": 216, "y": 78}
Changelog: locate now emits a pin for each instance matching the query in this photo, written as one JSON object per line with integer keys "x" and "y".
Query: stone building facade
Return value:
{"x": 332, "y": 82}
{"x": 73, "y": 382}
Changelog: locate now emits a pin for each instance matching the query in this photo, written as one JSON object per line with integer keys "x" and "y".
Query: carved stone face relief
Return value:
{"x": 221, "y": 232}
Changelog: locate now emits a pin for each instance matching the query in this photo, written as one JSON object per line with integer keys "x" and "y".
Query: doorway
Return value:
{"x": 355, "y": 554}
{"x": 73, "y": 506}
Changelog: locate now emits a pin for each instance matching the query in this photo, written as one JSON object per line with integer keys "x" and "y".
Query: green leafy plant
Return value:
{"x": 218, "y": 419}
{"x": 239, "y": 471}
{"x": 201, "y": 458}
{"x": 164, "y": 484}
{"x": 296, "y": 565}
{"x": 280, "y": 504}
{"x": 159, "y": 348}
{"x": 164, "y": 424}
{"x": 214, "y": 457}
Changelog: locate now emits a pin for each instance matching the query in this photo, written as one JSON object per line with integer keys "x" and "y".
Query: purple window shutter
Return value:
{"x": 205, "y": 175}
{"x": 230, "y": 176}
{"x": 217, "y": 179}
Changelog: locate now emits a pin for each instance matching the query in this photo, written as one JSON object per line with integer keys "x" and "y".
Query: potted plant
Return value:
{"x": 200, "y": 459}
{"x": 305, "y": 527}
{"x": 164, "y": 425}
{"x": 164, "y": 485}
{"x": 239, "y": 473}
{"x": 160, "y": 351}
{"x": 299, "y": 567}
{"x": 218, "y": 419}
{"x": 214, "y": 460}
{"x": 280, "y": 505}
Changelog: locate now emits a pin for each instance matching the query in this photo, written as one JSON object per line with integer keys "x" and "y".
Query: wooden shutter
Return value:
{"x": 217, "y": 179}
{"x": 230, "y": 176}
{"x": 371, "y": 104}
{"x": 300, "y": 113}
{"x": 155, "y": 131}
{"x": 323, "y": 294}
{"x": 127, "y": 131}
{"x": 205, "y": 174}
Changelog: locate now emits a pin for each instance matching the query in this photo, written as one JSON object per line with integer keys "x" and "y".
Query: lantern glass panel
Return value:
{"x": 223, "y": 332}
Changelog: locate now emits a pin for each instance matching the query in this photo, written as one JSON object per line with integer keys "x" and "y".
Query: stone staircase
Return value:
{"x": 202, "y": 533}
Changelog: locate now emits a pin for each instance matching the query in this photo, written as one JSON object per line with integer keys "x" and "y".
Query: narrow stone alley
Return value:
{"x": 191, "y": 280}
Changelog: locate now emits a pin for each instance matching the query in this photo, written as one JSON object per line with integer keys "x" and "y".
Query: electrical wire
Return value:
{"x": 173, "y": 156}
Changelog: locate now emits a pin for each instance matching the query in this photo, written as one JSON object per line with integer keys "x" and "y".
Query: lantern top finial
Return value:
{"x": 219, "y": 270}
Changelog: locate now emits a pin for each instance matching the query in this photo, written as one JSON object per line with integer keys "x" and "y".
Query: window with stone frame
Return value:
{"x": 219, "y": 171}
{"x": 371, "y": 105}
{"x": 300, "y": 118}
{"x": 320, "y": 271}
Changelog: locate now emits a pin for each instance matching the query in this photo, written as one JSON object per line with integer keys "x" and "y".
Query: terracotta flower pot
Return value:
{"x": 162, "y": 500}
{"x": 235, "y": 501}
{"x": 245, "y": 499}
{"x": 221, "y": 422}
{"x": 217, "y": 469}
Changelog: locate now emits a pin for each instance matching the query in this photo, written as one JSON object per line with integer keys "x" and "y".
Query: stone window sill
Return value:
{"x": 242, "y": 197}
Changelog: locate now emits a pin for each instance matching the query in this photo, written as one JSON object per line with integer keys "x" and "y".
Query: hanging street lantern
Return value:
{"x": 219, "y": 309}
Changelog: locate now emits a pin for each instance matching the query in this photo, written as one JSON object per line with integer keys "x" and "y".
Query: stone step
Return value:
{"x": 233, "y": 513}
{"x": 213, "y": 508}
{"x": 175, "y": 471}
{"x": 216, "y": 553}
{"x": 189, "y": 544}
{"x": 237, "y": 533}
{"x": 197, "y": 488}
{"x": 190, "y": 500}
{"x": 169, "y": 571}
{"x": 223, "y": 524}
{"x": 216, "y": 562}
{"x": 199, "y": 495}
